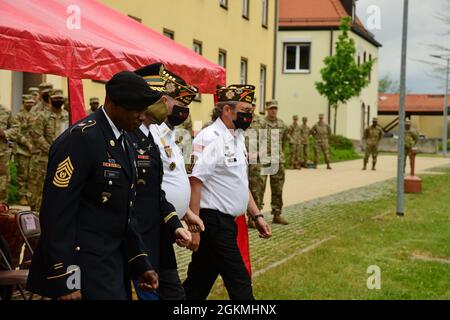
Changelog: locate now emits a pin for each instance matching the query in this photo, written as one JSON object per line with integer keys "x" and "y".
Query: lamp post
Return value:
{"x": 445, "y": 126}
{"x": 401, "y": 115}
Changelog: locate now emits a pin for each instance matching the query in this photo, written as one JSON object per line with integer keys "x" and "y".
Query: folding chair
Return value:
{"x": 30, "y": 229}
{"x": 10, "y": 278}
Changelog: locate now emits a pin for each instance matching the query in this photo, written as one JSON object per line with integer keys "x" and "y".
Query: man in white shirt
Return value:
{"x": 219, "y": 194}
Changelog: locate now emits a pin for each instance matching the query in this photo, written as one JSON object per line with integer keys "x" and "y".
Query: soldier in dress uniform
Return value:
{"x": 88, "y": 242}
{"x": 372, "y": 137}
{"x": 160, "y": 229}
{"x": 219, "y": 193}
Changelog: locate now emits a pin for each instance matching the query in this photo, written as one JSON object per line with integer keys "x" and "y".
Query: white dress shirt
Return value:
{"x": 116, "y": 131}
{"x": 223, "y": 168}
{"x": 175, "y": 181}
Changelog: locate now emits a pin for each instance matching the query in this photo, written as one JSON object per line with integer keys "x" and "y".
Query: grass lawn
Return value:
{"x": 362, "y": 234}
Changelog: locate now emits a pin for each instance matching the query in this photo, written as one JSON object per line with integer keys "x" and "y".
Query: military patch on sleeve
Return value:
{"x": 192, "y": 164}
{"x": 63, "y": 173}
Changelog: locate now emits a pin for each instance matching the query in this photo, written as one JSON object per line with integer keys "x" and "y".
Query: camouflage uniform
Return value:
{"x": 321, "y": 133}
{"x": 372, "y": 136}
{"x": 20, "y": 134}
{"x": 44, "y": 88}
{"x": 411, "y": 138}
{"x": 295, "y": 144}
{"x": 305, "y": 131}
{"x": 276, "y": 179}
{"x": 5, "y": 154}
{"x": 47, "y": 126}
{"x": 255, "y": 180}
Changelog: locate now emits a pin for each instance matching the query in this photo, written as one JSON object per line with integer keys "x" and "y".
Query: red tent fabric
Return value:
{"x": 43, "y": 37}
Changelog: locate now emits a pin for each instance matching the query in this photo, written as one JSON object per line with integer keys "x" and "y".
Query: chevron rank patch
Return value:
{"x": 63, "y": 173}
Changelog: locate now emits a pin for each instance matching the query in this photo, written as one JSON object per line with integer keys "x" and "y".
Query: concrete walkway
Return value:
{"x": 307, "y": 184}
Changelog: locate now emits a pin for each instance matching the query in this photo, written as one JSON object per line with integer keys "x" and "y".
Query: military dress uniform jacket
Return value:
{"x": 156, "y": 218}
{"x": 85, "y": 215}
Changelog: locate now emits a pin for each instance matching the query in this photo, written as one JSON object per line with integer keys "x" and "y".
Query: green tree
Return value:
{"x": 387, "y": 85}
{"x": 342, "y": 77}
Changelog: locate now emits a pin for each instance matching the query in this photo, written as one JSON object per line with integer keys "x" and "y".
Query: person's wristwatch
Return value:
{"x": 256, "y": 216}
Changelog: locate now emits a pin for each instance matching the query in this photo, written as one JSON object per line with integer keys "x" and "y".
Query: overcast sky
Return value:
{"x": 424, "y": 28}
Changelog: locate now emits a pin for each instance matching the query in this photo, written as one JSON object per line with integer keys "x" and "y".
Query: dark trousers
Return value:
{"x": 218, "y": 253}
{"x": 170, "y": 287}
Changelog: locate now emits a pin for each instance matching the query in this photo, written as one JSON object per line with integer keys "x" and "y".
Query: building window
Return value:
{"x": 370, "y": 73}
{"x": 359, "y": 59}
{"x": 243, "y": 74}
{"x": 364, "y": 57}
{"x": 222, "y": 58}
{"x": 169, "y": 33}
{"x": 265, "y": 9}
{"x": 245, "y": 8}
{"x": 197, "y": 47}
{"x": 262, "y": 88}
{"x": 135, "y": 18}
{"x": 223, "y": 4}
{"x": 297, "y": 57}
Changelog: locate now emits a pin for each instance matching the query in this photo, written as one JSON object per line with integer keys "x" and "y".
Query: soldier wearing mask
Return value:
{"x": 44, "y": 97}
{"x": 47, "y": 126}
{"x": 219, "y": 194}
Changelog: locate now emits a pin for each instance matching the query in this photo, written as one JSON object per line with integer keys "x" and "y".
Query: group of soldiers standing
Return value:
{"x": 298, "y": 139}
{"x": 299, "y": 142}
{"x": 26, "y": 139}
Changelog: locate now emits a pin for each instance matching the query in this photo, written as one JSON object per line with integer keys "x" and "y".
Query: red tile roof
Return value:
{"x": 300, "y": 14}
{"x": 388, "y": 103}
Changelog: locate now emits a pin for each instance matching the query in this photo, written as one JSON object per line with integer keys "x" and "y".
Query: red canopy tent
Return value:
{"x": 43, "y": 37}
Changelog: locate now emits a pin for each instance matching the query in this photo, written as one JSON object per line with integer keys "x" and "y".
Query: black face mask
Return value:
{"x": 57, "y": 104}
{"x": 178, "y": 115}
{"x": 45, "y": 97}
{"x": 243, "y": 120}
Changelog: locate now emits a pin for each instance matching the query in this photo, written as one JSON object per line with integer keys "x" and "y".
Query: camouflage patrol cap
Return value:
{"x": 374, "y": 119}
{"x": 271, "y": 104}
{"x": 407, "y": 121}
{"x": 56, "y": 93}
{"x": 94, "y": 100}
{"x": 33, "y": 91}
{"x": 304, "y": 118}
{"x": 321, "y": 115}
{"x": 295, "y": 117}
{"x": 26, "y": 97}
{"x": 45, "y": 87}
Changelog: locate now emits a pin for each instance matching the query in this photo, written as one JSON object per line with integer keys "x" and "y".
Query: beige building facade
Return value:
{"x": 308, "y": 32}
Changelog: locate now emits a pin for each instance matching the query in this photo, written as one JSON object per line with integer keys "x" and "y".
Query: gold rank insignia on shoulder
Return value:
{"x": 172, "y": 166}
{"x": 63, "y": 173}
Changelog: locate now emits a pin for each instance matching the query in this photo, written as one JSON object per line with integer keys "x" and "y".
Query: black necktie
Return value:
{"x": 123, "y": 144}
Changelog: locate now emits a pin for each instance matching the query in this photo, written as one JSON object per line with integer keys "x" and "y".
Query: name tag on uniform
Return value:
{"x": 145, "y": 157}
{"x": 111, "y": 174}
{"x": 143, "y": 164}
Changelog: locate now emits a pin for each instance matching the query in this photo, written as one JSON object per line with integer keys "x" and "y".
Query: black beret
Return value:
{"x": 128, "y": 90}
